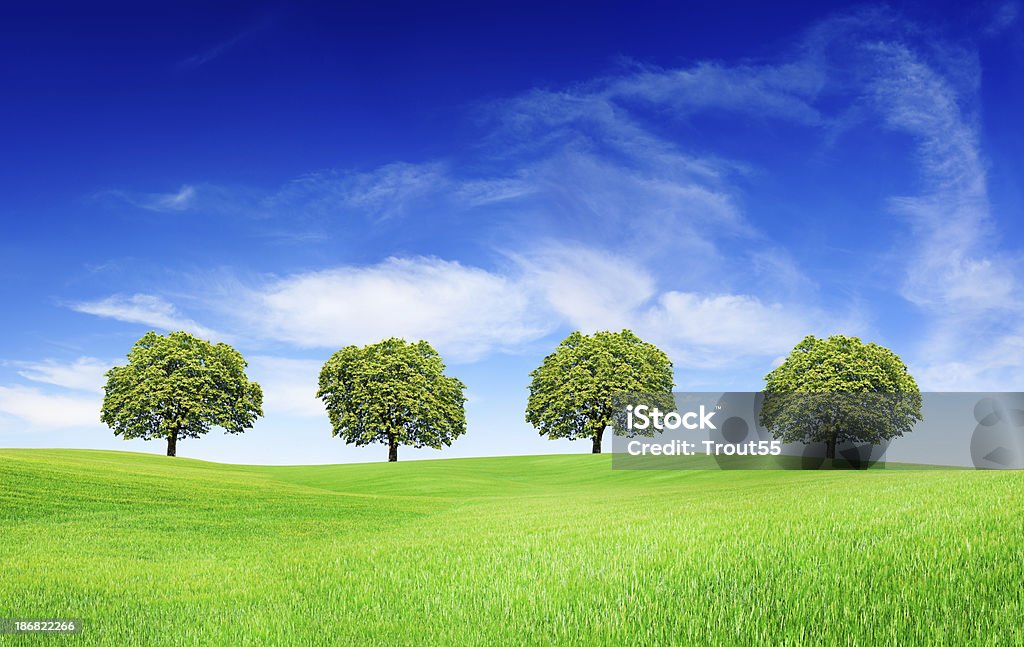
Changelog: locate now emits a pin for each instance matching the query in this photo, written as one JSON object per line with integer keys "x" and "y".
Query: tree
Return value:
{"x": 573, "y": 390}
{"x": 179, "y": 386}
{"x": 392, "y": 392}
{"x": 837, "y": 390}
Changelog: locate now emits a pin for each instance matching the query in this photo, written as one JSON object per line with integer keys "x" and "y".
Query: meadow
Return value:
{"x": 506, "y": 551}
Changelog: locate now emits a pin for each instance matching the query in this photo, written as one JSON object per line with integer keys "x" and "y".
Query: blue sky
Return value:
{"x": 295, "y": 178}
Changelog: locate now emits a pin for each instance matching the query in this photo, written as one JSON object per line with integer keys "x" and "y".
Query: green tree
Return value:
{"x": 840, "y": 389}
{"x": 179, "y": 386}
{"x": 573, "y": 390}
{"x": 392, "y": 392}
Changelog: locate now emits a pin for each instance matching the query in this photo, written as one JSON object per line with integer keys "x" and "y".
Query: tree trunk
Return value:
{"x": 830, "y": 448}
{"x": 597, "y": 442}
{"x": 392, "y": 449}
{"x": 172, "y": 444}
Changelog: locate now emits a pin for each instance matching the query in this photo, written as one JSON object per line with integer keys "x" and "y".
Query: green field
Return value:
{"x": 522, "y": 550}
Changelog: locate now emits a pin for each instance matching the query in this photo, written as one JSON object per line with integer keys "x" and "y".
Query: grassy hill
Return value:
{"x": 519, "y": 550}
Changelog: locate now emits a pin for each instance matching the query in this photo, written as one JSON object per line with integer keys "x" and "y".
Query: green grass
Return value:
{"x": 522, "y": 550}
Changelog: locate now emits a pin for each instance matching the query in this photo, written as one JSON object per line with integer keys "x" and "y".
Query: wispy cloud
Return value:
{"x": 950, "y": 265}
{"x": 958, "y": 270}
{"x": 43, "y": 411}
{"x": 178, "y": 201}
{"x": 716, "y": 330}
{"x": 584, "y": 287}
{"x": 216, "y": 51}
{"x": 390, "y": 191}
{"x": 1004, "y": 17}
{"x": 84, "y": 374}
{"x": 175, "y": 201}
{"x": 146, "y": 309}
{"x": 205, "y": 57}
{"x": 74, "y": 404}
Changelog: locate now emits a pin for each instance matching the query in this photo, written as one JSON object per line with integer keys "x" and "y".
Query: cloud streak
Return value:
{"x": 43, "y": 411}
{"x": 146, "y": 309}
{"x": 84, "y": 374}
{"x": 957, "y": 270}
{"x": 206, "y": 56}
{"x": 184, "y": 199}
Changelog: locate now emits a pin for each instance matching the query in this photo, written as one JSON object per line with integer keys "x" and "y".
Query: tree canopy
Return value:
{"x": 392, "y": 392}
{"x": 572, "y": 392}
{"x": 179, "y": 386}
{"x": 840, "y": 389}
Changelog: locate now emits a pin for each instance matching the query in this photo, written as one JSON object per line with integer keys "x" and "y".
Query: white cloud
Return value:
{"x": 719, "y": 329}
{"x": 592, "y": 290}
{"x": 588, "y": 288}
{"x": 183, "y": 199}
{"x": 390, "y": 191}
{"x": 146, "y": 309}
{"x": 178, "y": 201}
{"x": 636, "y": 205}
{"x": 289, "y": 385}
{"x": 469, "y": 312}
{"x": 949, "y": 264}
{"x": 993, "y": 366}
{"x": 477, "y": 193}
{"x": 785, "y": 90}
{"x": 386, "y": 191}
{"x": 956, "y": 271}
{"x": 43, "y": 411}
{"x": 1004, "y": 18}
{"x": 464, "y": 311}
{"x": 84, "y": 374}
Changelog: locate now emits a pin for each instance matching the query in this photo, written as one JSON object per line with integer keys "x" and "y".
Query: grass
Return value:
{"x": 519, "y": 550}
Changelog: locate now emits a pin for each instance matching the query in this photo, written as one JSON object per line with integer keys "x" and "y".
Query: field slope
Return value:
{"x": 520, "y": 550}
